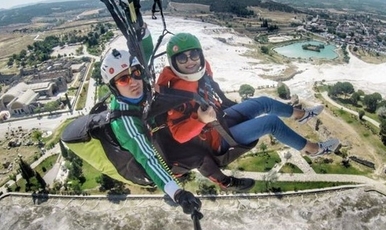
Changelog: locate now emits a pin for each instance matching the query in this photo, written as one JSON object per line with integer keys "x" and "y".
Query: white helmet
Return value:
{"x": 116, "y": 62}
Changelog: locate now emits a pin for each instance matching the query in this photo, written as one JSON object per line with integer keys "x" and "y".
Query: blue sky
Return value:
{"x": 11, "y": 3}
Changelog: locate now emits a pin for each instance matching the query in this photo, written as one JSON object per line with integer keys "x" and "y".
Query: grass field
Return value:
{"x": 290, "y": 168}
{"x": 91, "y": 174}
{"x": 337, "y": 168}
{"x": 81, "y": 102}
{"x": 47, "y": 164}
{"x": 260, "y": 163}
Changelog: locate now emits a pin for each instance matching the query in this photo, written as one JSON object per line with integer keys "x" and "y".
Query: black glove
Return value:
{"x": 187, "y": 201}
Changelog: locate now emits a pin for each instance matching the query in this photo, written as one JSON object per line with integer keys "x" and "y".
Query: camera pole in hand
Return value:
{"x": 196, "y": 217}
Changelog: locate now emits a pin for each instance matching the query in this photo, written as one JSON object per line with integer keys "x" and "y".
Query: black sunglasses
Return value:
{"x": 183, "y": 58}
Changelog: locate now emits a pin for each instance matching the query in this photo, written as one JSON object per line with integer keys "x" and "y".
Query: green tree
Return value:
{"x": 204, "y": 189}
{"x": 341, "y": 88}
{"x": 283, "y": 91}
{"x": 57, "y": 185}
{"x": 10, "y": 61}
{"x": 361, "y": 113}
{"x": 106, "y": 182}
{"x": 264, "y": 50}
{"x": 23, "y": 64}
{"x": 63, "y": 150}
{"x": 40, "y": 180}
{"x": 23, "y": 53}
{"x": 75, "y": 185}
{"x": 36, "y": 135}
{"x": 381, "y": 112}
{"x": 355, "y": 98}
{"x": 13, "y": 177}
{"x": 263, "y": 147}
{"x": 361, "y": 92}
{"x": 75, "y": 170}
{"x": 26, "y": 171}
{"x": 382, "y": 131}
{"x": 32, "y": 184}
{"x": 377, "y": 96}
{"x": 51, "y": 106}
{"x": 246, "y": 91}
{"x": 96, "y": 73}
{"x": 370, "y": 101}
{"x": 382, "y": 104}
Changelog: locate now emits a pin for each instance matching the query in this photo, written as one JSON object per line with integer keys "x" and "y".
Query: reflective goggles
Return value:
{"x": 126, "y": 79}
{"x": 183, "y": 58}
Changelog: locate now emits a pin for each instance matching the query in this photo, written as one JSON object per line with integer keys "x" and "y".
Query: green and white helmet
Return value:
{"x": 182, "y": 42}
{"x": 116, "y": 62}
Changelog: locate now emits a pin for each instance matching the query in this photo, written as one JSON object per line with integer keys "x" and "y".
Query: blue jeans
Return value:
{"x": 246, "y": 125}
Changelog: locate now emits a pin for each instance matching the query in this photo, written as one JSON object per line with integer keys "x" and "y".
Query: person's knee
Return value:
{"x": 261, "y": 98}
{"x": 273, "y": 120}
{"x": 263, "y": 102}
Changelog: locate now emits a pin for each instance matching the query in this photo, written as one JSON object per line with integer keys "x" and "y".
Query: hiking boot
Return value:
{"x": 238, "y": 185}
{"x": 327, "y": 147}
{"x": 310, "y": 113}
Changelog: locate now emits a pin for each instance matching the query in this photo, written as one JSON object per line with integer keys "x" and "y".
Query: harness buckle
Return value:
{"x": 158, "y": 128}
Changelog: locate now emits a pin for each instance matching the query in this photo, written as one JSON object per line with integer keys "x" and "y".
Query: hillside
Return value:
{"x": 53, "y": 11}
{"x": 240, "y": 7}
{"x": 367, "y": 6}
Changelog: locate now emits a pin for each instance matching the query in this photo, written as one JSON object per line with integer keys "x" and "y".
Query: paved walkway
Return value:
{"x": 295, "y": 159}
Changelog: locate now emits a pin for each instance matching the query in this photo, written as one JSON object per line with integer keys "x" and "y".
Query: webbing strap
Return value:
{"x": 114, "y": 114}
{"x": 160, "y": 38}
{"x": 224, "y": 134}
